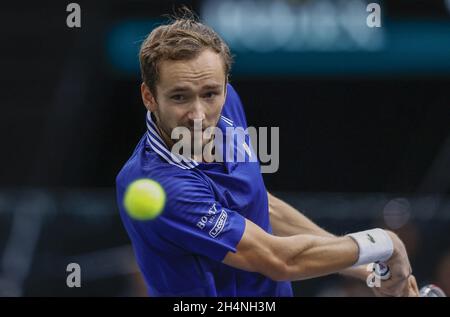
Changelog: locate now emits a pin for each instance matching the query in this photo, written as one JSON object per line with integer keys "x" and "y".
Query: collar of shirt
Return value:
{"x": 155, "y": 141}
{"x": 157, "y": 144}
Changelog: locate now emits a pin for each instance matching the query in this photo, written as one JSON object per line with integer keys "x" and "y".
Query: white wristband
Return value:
{"x": 374, "y": 245}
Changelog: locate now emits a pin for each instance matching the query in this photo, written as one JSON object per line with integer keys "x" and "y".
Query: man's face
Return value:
{"x": 186, "y": 91}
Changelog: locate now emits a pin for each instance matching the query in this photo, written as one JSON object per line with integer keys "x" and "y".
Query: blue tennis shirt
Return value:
{"x": 180, "y": 253}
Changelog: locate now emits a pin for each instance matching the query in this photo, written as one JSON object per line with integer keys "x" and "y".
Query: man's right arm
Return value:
{"x": 305, "y": 256}
{"x": 291, "y": 258}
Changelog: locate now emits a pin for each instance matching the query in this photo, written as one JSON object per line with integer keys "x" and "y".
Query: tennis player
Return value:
{"x": 221, "y": 232}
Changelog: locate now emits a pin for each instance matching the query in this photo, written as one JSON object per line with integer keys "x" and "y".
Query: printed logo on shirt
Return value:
{"x": 220, "y": 223}
{"x": 209, "y": 217}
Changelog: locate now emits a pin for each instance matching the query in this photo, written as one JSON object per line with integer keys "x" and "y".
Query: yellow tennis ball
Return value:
{"x": 144, "y": 199}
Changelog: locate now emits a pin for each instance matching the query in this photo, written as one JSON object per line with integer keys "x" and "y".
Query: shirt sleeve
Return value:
{"x": 194, "y": 220}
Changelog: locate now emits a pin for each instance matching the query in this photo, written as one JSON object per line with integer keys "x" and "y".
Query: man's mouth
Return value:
{"x": 197, "y": 130}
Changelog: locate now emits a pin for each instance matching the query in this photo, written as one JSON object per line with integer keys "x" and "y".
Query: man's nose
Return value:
{"x": 197, "y": 112}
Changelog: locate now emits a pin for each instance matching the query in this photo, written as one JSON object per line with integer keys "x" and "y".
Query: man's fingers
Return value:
{"x": 413, "y": 288}
{"x": 377, "y": 293}
{"x": 408, "y": 288}
{"x": 397, "y": 287}
{"x": 391, "y": 291}
{"x": 394, "y": 286}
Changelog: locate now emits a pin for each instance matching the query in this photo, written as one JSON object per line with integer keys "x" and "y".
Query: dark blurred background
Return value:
{"x": 363, "y": 113}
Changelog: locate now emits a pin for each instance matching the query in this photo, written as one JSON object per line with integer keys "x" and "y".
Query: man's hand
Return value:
{"x": 411, "y": 289}
{"x": 401, "y": 282}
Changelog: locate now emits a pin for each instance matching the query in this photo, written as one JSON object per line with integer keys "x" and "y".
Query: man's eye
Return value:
{"x": 210, "y": 95}
{"x": 178, "y": 97}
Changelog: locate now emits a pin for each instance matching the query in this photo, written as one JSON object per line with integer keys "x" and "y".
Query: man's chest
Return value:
{"x": 242, "y": 190}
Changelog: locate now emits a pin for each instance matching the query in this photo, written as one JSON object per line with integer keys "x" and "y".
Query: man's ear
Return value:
{"x": 148, "y": 98}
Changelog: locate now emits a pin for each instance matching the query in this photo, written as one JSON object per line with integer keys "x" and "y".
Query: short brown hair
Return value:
{"x": 184, "y": 38}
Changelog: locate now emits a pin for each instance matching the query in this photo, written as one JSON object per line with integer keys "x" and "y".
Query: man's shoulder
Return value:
{"x": 232, "y": 98}
{"x": 140, "y": 164}
{"x": 233, "y": 111}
